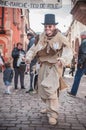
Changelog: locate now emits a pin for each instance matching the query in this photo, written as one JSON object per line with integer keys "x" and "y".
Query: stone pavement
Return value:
{"x": 21, "y": 111}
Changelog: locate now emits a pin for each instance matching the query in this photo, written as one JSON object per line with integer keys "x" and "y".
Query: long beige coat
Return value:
{"x": 50, "y": 74}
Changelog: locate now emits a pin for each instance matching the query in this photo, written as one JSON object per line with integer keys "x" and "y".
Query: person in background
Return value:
{"x": 81, "y": 65}
{"x": 19, "y": 65}
{"x": 37, "y": 66}
{"x": 72, "y": 67}
{"x": 7, "y": 77}
{"x": 51, "y": 58}
{"x": 1, "y": 62}
{"x": 31, "y": 43}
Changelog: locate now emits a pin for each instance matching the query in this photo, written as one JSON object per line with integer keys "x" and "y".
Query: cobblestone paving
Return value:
{"x": 21, "y": 111}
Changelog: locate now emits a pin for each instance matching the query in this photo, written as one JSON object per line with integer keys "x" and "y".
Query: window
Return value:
{"x": 2, "y": 20}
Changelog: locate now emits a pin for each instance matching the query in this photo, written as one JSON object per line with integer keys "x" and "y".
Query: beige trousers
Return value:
{"x": 48, "y": 83}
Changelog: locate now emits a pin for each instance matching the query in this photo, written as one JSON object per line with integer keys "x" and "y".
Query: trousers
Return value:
{"x": 79, "y": 73}
{"x": 19, "y": 72}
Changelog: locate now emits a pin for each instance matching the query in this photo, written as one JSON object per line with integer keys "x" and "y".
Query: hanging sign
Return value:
{"x": 32, "y": 4}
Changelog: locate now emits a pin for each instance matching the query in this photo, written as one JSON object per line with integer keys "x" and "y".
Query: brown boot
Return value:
{"x": 52, "y": 121}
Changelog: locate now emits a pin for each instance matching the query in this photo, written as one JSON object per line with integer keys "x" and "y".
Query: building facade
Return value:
{"x": 78, "y": 24}
{"x": 79, "y": 10}
{"x": 14, "y": 24}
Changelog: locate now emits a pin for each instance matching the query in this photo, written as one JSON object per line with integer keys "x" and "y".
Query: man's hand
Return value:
{"x": 26, "y": 61}
{"x": 23, "y": 59}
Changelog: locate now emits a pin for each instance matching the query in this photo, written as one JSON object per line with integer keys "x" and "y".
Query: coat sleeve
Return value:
{"x": 67, "y": 53}
{"x": 34, "y": 49}
{"x": 32, "y": 52}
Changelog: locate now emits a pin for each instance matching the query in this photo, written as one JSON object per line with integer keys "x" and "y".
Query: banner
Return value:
{"x": 32, "y": 4}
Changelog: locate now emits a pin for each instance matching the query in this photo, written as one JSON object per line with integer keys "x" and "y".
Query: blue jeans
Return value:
{"x": 77, "y": 78}
{"x": 7, "y": 83}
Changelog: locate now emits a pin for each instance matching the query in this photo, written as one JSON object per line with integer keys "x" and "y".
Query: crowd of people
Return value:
{"x": 45, "y": 58}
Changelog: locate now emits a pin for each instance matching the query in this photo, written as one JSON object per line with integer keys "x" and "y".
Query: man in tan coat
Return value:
{"x": 49, "y": 51}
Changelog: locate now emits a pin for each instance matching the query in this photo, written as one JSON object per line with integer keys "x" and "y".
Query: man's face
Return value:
{"x": 49, "y": 29}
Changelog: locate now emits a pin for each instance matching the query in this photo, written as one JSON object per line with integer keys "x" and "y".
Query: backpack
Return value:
{"x": 82, "y": 53}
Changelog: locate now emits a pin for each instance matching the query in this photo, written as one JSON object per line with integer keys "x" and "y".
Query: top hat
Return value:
{"x": 49, "y": 19}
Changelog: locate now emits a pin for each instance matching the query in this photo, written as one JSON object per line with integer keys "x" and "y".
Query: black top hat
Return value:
{"x": 49, "y": 19}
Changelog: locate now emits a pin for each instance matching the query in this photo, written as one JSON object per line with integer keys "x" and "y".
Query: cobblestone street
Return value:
{"x": 21, "y": 111}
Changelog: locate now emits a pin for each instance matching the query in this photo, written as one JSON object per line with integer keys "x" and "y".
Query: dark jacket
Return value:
{"x": 31, "y": 43}
{"x": 8, "y": 75}
{"x": 82, "y": 55}
{"x": 15, "y": 55}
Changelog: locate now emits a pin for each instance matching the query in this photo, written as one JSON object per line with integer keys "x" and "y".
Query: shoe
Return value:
{"x": 70, "y": 94}
{"x": 52, "y": 121}
{"x": 27, "y": 91}
{"x": 33, "y": 92}
{"x": 30, "y": 90}
{"x": 43, "y": 111}
{"x": 22, "y": 87}
{"x": 7, "y": 92}
{"x": 16, "y": 87}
